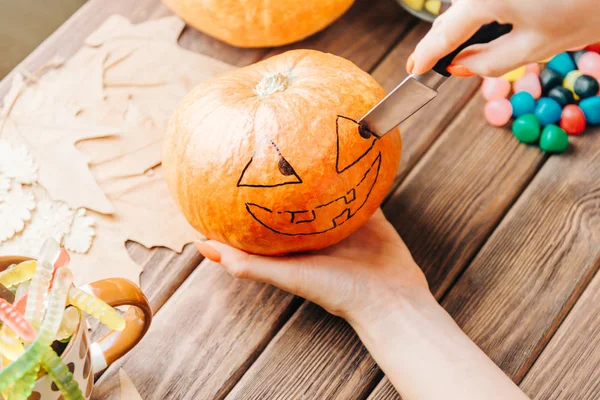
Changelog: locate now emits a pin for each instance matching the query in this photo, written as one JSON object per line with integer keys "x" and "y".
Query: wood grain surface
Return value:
{"x": 509, "y": 239}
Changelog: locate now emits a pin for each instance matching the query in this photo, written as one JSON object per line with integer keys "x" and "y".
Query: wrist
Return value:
{"x": 401, "y": 305}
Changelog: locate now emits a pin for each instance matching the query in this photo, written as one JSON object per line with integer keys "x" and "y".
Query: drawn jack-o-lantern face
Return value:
{"x": 274, "y": 162}
{"x": 322, "y": 217}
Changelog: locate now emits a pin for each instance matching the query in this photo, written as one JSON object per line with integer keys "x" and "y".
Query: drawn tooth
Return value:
{"x": 350, "y": 196}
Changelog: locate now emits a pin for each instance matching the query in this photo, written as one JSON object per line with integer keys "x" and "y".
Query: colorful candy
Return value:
{"x": 549, "y": 80}
{"x": 569, "y": 81}
{"x": 62, "y": 377}
{"x": 529, "y": 83}
{"x": 40, "y": 282}
{"x": 591, "y": 109}
{"x": 514, "y": 74}
{"x": 572, "y": 120}
{"x": 50, "y": 325}
{"x": 533, "y": 68}
{"x": 562, "y": 95}
{"x": 526, "y": 128}
{"x": 6, "y": 294}
{"x": 96, "y": 308}
{"x": 415, "y": 4}
{"x": 498, "y": 112}
{"x": 554, "y": 139}
{"x": 16, "y": 321}
{"x": 19, "y": 273}
{"x": 586, "y": 86}
{"x": 548, "y": 111}
{"x": 22, "y": 389}
{"x": 561, "y": 63}
{"x": 589, "y": 64}
{"x": 11, "y": 346}
{"x": 595, "y": 47}
{"x": 522, "y": 103}
{"x": 495, "y": 88}
{"x": 68, "y": 324}
{"x": 433, "y": 6}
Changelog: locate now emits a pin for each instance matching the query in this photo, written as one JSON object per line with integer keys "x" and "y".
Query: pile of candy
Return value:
{"x": 548, "y": 104}
{"x": 33, "y": 297}
{"x": 433, "y": 7}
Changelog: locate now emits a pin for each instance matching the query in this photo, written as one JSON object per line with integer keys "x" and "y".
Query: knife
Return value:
{"x": 415, "y": 91}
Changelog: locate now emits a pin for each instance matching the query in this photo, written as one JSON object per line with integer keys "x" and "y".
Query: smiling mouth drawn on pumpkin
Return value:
{"x": 328, "y": 215}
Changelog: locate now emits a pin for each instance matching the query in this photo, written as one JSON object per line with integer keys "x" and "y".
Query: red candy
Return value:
{"x": 572, "y": 120}
{"x": 533, "y": 68}
{"x": 16, "y": 321}
{"x": 593, "y": 47}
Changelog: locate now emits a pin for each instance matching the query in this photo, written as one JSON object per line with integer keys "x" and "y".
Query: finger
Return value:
{"x": 502, "y": 55}
{"x": 449, "y": 31}
{"x": 283, "y": 272}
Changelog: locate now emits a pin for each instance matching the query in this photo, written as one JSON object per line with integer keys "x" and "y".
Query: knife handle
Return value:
{"x": 485, "y": 34}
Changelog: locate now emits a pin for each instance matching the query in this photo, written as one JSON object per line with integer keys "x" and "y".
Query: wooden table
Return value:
{"x": 509, "y": 239}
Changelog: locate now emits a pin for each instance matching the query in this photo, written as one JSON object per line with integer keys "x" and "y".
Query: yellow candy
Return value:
{"x": 433, "y": 6}
{"x": 69, "y": 323}
{"x": 96, "y": 308}
{"x": 11, "y": 346}
{"x": 17, "y": 274}
{"x": 515, "y": 74}
{"x": 415, "y": 4}
{"x": 570, "y": 79}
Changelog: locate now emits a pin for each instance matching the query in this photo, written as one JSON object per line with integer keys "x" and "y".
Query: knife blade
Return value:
{"x": 416, "y": 91}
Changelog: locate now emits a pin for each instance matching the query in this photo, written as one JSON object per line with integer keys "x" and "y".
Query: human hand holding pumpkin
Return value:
{"x": 371, "y": 280}
{"x": 356, "y": 279}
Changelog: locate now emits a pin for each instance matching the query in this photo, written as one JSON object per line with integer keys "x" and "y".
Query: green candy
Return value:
{"x": 526, "y": 128}
{"x": 554, "y": 139}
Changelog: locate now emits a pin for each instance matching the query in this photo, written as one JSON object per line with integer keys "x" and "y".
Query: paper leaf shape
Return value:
{"x": 4, "y": 186}
{"x": 15, "y": 210}
{"x": 128, "y": 390}
{"x": 107, "y": 258}
{"x": 63, "y": 171}
{"x": 146, "y": 212}
{"x": 17, "y": 163}
{"x": 81, "y": 233}
{"x": 50, "y": 219}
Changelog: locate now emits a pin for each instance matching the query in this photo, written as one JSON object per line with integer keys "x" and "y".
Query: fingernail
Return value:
{"x": 410, "y": 63}
{"x": 459, "y": 70}
{"x": 208, "y": 251}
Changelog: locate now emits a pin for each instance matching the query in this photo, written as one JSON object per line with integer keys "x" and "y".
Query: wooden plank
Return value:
{"x": 203, "y": 338}
{"x": 224, "y": 343}
{"x": 519, "y": 288}
{"x": 569, "y": 366}
{"x": 445, "y": 209}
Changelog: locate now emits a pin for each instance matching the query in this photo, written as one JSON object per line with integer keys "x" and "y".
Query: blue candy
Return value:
{"x": 548, "y": 111}
{"x": 591, "y": 109}
{"x": 562, "y": 63}
{"x": 522, "y": 103}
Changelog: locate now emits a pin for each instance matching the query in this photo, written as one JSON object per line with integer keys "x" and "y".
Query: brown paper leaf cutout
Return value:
{"x": 128, "y": 390}
{"x": 50, "y": 219}
{"x": 107, "y": 258}
{"x": 63, "y": 171}
{"x": 146, "y": 212}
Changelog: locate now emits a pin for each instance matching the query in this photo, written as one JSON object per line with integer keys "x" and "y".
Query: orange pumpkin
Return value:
{"x": 259, "y": 23}
{"x": 269, "y": 158}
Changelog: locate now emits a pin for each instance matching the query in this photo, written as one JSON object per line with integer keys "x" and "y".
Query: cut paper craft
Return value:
{"x": 147, "y": 213}
{"x": 50, "y": 219}
{"x": 128, "y": 390}
{"x": 107, "y": 257}
{"x": 87, "y": 134}
{"x": 80, "y": 235}
{"x": 15, "y": 210}
{"x": 63, "y": 171}
{"x": 4, "y": 186}
{"x": 17, "y": 163}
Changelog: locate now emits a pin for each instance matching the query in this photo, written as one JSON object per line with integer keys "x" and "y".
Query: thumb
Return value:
{"x": 286, "y": 273}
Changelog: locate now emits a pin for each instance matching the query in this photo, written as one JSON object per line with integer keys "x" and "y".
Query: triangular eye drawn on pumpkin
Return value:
{"x": 349, "y": 150}
{"x": 268, "y": 168}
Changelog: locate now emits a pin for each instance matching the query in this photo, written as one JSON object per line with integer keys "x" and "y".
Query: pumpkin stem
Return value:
{"x": 271, "y": 83}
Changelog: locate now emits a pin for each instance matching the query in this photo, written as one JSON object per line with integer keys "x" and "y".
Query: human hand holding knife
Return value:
{"x": 415, "y": 91}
